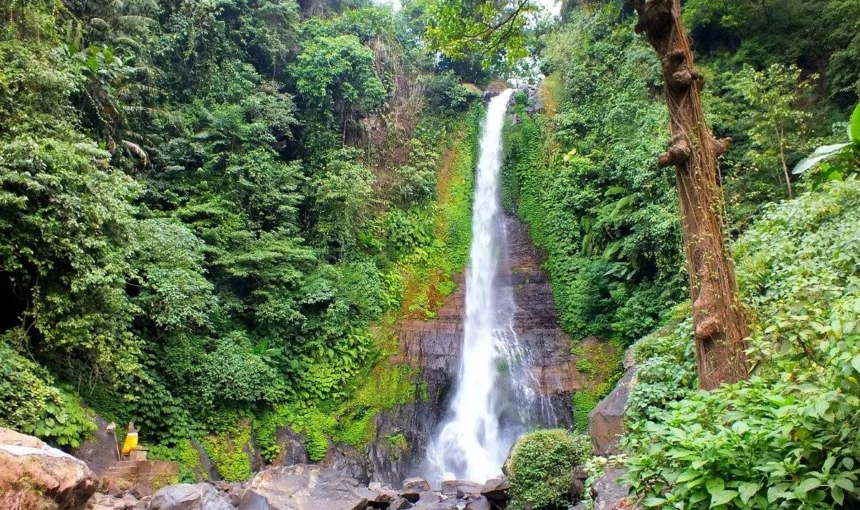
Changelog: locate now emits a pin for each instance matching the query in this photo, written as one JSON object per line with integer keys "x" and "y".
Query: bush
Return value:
{"x": 541, "y": 467}
{"x": 30, "y": 403}
{"x": 786, "y": 438}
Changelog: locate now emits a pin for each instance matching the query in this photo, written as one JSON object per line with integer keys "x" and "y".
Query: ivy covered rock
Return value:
{"x": 606, "y": 420}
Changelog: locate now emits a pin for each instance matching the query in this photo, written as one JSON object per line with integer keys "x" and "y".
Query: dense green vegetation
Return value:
{"x": 213, "y": 213}
{"x": 206, "y": 205}
{"x": 541, "y": 467}
{"x": 582, "y": 172}
{"x": 786, "y": 438}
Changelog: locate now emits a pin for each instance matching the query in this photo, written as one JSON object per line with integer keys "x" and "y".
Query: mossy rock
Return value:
{"x": 541, "y": 465}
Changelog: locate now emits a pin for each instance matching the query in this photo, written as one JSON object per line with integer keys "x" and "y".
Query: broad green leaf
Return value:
{"x": 740, "y": 428}
{"x": 715, "y": 485}
{"x": 686, "y": 476}
{"x": 723, "y": 497}
{"x": 838, "y": 495}
{"x": 809, "y": 484}
{"x": 748, "y": 490}
{"x": 856, "y": 363}
{"x": 845, "y": 483}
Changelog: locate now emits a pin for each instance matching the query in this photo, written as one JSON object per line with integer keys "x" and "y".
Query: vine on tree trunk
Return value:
{"x": 720, "y": 324}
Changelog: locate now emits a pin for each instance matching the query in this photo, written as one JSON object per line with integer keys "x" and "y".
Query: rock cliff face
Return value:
{"x": 433, "y": 347}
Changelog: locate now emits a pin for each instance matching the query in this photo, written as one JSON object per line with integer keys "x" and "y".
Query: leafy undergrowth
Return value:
{"x": 790, "y": 436}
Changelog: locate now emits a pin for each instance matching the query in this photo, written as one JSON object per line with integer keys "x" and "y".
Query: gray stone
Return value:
{"x": 461, "y": 489}
{"x": 186, "y": 496}
{"x": 416, "y": 483}
{"x": 100, "y": 452}
{"x": 411, "y": 495}
{"x": 348, "y": 461}
{"x": 382, "y": 498}
{"x": 253, "y": 501}
{"x": 293, "y": 447}
{"x": 399, "y": 504}
{"x": 429, "y": 497}
{"x": 496, "y": 490}
{"x": 305, "y": 487}
{"x": 609, "y": 494}
{"x": 481, "y": 503}
{"x": 606, "y": 420}
{"x": 205, "y": 471}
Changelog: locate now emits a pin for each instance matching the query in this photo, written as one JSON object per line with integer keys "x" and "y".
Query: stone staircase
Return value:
{"x": 152, "y": 473}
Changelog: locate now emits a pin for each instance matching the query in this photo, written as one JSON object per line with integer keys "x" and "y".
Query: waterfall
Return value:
{"x": 494, "y": 394}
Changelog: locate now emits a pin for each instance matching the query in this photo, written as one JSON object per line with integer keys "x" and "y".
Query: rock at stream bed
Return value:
{"x": 461, "y": 489}
{"x": 496, "y": 490}
{"x": 185, "y": 496}
{"x": 305, "y": 487}
{"x": 418, "y": 484}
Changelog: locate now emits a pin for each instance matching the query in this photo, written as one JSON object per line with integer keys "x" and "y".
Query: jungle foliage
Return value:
{"x": 205, "y": 205}
{"x": 582, "y": 172}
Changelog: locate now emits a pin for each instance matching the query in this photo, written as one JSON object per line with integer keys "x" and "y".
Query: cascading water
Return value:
{"x": 494, "y": 395}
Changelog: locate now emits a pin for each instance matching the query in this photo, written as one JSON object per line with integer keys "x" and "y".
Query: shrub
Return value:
{"x": 30, "y": 403}
{"x": 541, "y": 467}
{"x": 786, "y": 438}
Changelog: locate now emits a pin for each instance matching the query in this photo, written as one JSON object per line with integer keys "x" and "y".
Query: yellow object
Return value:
{"x": 130, "y": 442}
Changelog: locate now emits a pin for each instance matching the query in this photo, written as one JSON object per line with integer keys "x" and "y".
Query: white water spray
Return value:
{"x": 494, "y": 394}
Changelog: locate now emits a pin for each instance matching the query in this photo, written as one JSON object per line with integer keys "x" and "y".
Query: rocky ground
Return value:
{"x": 310, "y": 487}
{"x": 35, "y": 476}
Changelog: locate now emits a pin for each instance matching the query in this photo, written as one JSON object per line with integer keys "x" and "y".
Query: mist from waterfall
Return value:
{"x": 494, "y": 394}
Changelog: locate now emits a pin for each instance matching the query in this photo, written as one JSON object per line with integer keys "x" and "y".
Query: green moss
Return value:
{"x": 584, "y": 365}
{"x": 182, "y": 453}
{"x": 583, "y": 403}
{"x": 227, "y": 451}
{"x": 398, "y": 444}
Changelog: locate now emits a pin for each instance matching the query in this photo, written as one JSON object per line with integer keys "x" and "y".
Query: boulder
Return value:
{"x": 444, "y": 505}
{"x": 186, "y": 496}
{"x": 496, "y": 490}
{"x": 100, "y": 451}
{"x": 293, "y": 447}
{"x": 382, "y": 498}
{"x": 233, "y": 491}
{"x": 399, "y": 504}
{"x": 348, "y": 461}
{"x": 305, "y": 487}
{"x": 416, "y": 483}
{"x": 31, "y": 472}
{"x": 481, "y": 503}
{"x": 411, "y": 495}
{"x": 606, "y": 420}
{"x": 205, "y": 471}
{"x": 609, "y": 494}
{"x": 429, "y": 497}
{"x": 461, "y": 489}
{"x": 106, "y": 502}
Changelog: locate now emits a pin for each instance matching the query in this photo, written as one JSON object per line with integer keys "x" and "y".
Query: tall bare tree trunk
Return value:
{"x": 720, "y": 325}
